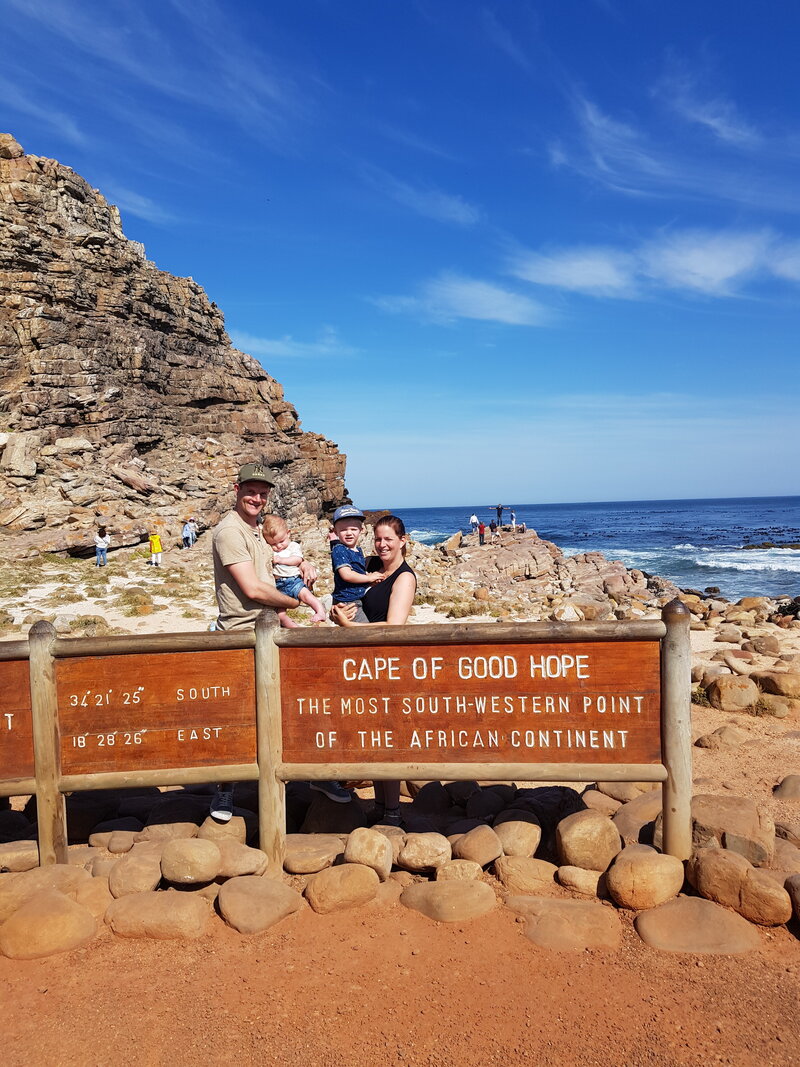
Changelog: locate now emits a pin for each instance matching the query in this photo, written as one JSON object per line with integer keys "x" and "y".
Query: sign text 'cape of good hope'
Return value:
{"x": 592, "y": 702}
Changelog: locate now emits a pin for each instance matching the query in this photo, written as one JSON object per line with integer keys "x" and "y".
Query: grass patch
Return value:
{"x": 700, "y": 698}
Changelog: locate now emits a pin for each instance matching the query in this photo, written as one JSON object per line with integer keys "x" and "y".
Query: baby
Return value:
{"x": 286, "y": 559}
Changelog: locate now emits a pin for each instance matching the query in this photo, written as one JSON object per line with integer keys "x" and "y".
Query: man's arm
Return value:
{"x": 244, "y": 574}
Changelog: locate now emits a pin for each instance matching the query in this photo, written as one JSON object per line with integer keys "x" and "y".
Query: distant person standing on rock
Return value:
{"x": 481, "y": 533}
{"x": 387, "y": 601}
{"x": 495, "y": 535}
{"x": 187, "y": 534}
{"x": 242, "y": 577}
{"x": 155, "y": 549}
{"x": 473, "y": 521}
{"x": 513, "y": 522}
{"x": 102, "y": 540}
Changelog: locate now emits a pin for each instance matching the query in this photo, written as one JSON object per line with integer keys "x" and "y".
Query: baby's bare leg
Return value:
{"x": 286, "y": 622}
{"x": 307, "y": 597}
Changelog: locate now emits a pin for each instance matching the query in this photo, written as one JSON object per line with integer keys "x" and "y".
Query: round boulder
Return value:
{"x": 689, "y": 924}
{"x": 587, "y": 839}
{"x": 449, "y": 901}
{"x": 346, "y": 886}
{"x": 371, "y": 848}
{"x": 424, "y": 852}
{"x": 481, "y": 845}
{"x": 191, "y": 860}
{"x": 642, "y": 878}
{"x": 47, "y": 923}
{"x": 251, "y": 904}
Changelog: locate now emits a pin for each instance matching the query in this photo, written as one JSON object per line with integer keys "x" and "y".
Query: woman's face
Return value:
{"x": 388, "y": 546}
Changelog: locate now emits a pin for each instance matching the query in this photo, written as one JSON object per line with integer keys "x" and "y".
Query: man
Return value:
{"x": 242, "y": 576}
{"x": 473, "y": 521}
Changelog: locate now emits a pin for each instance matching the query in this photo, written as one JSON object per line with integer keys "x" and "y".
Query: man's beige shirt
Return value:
{"x": 235, "y": 541}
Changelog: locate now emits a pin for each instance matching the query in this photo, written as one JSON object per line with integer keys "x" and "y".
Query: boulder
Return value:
{"x": 635, "y": 821}
{"x": 792, "y": 887}
{"x": 237, "y": 860}
{"x": 579, "y": 880}
{"x": 781, "y": 683}
{"x": 251, "y": 904}
{"x": 787, "y": 856}
{"x": 164, "y": 916}
{"x": 309, "y": 853}
{"x": 732, "y": 692}
{"x": 449, "y": 901}
{"x": 727, "y": 878}
{"x": 519, "y": 837}
{"x": 190, "y": 861}
{"x": 732, "y": 822}
{"x": 481, "y": 845}
{"x": 47, "y": 923}
{"x": 139, "y": 871}
{"x": 371, "y": 848}
{"x": 19, "y": 855}
{"x": 16, "y": 889}
{"x": 568, "y": 925}
{"x": 642, "y": 878}
{"x": 689, "y": 924}
{"x": 587, "y": 839}
{"x": 121, "y": 841}
{"x": 723, "y": 737}
{"x": 233, "y": 830}
{"x": 459, "y": 871}
{"x": 346, "y": 886}
{"x": 598, "y": 801}
{"x": 788, "y": 788}
{"x": 96, "y": 896}
{"x": 424, "y": 852}
{"x": 523, "y": 874}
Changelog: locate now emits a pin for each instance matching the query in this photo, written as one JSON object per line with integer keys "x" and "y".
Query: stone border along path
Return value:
{"x": 157, "y": 867}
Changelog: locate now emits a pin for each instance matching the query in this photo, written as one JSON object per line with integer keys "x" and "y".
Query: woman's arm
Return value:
{"x": 402, "y": 598}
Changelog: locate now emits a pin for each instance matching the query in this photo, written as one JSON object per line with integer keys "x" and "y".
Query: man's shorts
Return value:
{"x": 359, "y": 615}
{"x": 290, "y": 586}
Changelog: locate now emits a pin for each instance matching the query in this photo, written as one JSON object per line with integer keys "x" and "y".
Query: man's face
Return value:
{"x": 251, "y": 499}
{"x": 348, "y": 531}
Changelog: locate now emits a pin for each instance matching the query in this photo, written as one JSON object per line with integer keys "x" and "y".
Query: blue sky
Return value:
{"x": 539, "y": 251}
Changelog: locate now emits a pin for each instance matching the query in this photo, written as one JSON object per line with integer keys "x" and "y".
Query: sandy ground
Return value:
{"x": 383, "y": 985}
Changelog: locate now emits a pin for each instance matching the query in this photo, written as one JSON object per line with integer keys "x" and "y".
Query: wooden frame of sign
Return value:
{"x": 531, "y": 702}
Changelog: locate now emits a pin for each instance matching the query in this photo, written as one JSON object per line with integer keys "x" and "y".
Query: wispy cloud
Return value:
{"x": 681, "y": 92}
{"x": 601, "y": 271}
{"x": 15, "y": 100}
{"x": 711, "y": 263}
{"x": 127, "y": 200}
{"x": 503, "y": 39}
{"x": 423, "y": 200}
{"x": 217, "y": 69}
{"x": 413, "y": 141}
{"x": 451, "y": 297}
{"x": 326, "y": 344}
{"x": 641, "y": 158}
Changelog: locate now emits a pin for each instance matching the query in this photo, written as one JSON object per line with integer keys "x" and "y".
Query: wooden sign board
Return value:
{"x": 572, "y": 702}
{"x": 147, "y": 712}
{"x": 16, "y": 735}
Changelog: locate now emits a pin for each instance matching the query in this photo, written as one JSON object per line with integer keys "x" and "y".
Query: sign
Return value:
{"x": 16, "y": 734}
{"x": 141, "y": 712}
{"x": 576, "y": 702}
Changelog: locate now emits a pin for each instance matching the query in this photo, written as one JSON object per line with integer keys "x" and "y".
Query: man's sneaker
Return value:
{"x": 391, "y": 817}
{"x": 333, "y": 791}
{"x": 222, "y": 805}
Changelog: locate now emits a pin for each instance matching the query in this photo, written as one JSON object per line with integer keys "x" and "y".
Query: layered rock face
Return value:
{"x": 122, "y": 399}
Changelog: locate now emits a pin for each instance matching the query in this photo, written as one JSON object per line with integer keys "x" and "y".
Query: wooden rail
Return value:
{"x": 534, "y": 702}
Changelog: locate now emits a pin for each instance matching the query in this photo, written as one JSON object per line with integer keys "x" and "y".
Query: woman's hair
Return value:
{"x": 273, "y": 525}
{"x": 394, "y": 523}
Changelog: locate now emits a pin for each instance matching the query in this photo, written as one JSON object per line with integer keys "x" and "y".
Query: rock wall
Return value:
{"x": 121, "y": 397}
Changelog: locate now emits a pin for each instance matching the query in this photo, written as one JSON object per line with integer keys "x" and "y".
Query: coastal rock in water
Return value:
{"x": 122, "y": 393}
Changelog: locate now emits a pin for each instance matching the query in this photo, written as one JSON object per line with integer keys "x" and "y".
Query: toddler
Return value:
{"x": 286, "y": 559}
{"x": 350, "y": 578}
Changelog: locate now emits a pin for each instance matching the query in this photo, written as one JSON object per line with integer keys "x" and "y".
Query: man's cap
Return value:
{"x": 256, "y": 472}
{"x": 348, "y": 511}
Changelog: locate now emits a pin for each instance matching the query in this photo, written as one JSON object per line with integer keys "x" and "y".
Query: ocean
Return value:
{"x": 695, "y": 543}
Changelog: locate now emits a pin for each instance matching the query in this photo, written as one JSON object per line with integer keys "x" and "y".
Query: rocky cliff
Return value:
{"x": 122, "y": 399}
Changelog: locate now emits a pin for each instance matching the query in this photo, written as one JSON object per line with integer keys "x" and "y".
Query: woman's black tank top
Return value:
{"x": 375, "y": 601}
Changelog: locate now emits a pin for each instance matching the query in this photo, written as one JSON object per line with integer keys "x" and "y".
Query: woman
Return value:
{"x": 387, "y": 601}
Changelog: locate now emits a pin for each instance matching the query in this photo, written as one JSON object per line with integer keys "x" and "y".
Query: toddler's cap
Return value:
{"x": 348, "y": 511}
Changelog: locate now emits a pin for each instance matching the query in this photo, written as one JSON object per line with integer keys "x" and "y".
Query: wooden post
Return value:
{"x": 271, "y": 790}
{"x": 50, "y": 806}
{"x": 676, "y": 730}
